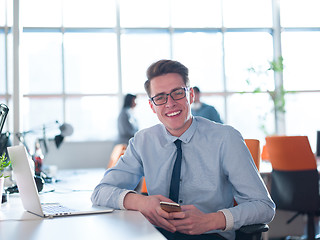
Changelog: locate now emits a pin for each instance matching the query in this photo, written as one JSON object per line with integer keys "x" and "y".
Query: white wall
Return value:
{"x": 79, "y": 154}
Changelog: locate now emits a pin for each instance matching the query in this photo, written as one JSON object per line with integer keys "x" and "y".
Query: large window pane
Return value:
{"x": 91, "y": 64}
{"x": 296, "y": 13}
{"x": 41, "y": 13}
{"x": 302, "y": 116}
{"x": 10, "y": 63}
{"x": 301, "y": 53}
{"x": 144, "y": 13}
{"x": 89, "y": 13}
{"x": 35, "y": 117}
{"x": 9, "y": 12}
{"x": 138, "y": 52}
{"x": 247, "y": 13}
{"x": 202, "y": 54}
{"x": 41, "y": 63}
{"x": 2, "y": 12}
{"x": 93, "y": 118}
{"x": 244, "y": 51}
{"x": 251, "y": 114}
{"x": 205, "y": 13}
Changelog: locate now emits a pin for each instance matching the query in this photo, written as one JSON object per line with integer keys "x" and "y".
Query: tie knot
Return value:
{"x": 178, "y": 143}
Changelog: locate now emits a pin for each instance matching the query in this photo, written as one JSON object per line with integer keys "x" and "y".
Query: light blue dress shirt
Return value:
{"x": 217, "y": 168}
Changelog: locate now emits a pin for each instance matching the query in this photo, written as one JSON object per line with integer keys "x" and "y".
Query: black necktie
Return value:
{"x": 175, "y": 179}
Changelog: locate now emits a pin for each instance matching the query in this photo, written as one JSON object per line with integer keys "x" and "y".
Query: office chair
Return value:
{"x": 254, "y": 148}
{"x": 117, "y": 151}
{"x": 294, "y": 177}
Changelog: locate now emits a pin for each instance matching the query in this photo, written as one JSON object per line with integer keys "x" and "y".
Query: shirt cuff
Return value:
{"x": 122, "y": 196}
{"x": 229, "y": 219}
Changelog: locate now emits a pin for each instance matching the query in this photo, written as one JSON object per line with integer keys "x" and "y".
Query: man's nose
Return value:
{"x": 170, "y": 101}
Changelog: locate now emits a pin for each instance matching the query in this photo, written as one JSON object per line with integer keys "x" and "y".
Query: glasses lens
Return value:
{"x": 178, "y": 94}
{"x": 160, "y": 99}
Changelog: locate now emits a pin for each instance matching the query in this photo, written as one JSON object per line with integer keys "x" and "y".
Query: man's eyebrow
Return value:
{"x": 159, "y": 94}
{"x": 169, "y": 92}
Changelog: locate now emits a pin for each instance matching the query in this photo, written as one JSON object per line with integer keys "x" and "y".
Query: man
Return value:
{"x": 202, "y": 109}
{"x": 216, "y": 167}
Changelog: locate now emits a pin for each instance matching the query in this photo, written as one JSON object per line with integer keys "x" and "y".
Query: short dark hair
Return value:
{"x": 196, "y": 89}
{"x": 163, "y": 67}
{"x": 128, "y": 100}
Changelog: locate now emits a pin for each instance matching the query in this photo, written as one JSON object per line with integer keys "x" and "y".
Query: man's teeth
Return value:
{"x": 173, "y": 114}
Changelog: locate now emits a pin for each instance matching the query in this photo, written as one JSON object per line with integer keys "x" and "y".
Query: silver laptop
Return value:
{"x": 29, "y": 194}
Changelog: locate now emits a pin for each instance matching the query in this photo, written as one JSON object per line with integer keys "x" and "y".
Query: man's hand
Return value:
{"x": 149, "y": 206}
{"x": 192, "y": 221}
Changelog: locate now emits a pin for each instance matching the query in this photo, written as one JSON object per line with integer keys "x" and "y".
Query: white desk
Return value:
{"x": 17, "y": 224}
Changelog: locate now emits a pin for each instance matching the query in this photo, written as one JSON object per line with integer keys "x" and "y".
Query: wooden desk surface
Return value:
{"x": 76, "y": 187}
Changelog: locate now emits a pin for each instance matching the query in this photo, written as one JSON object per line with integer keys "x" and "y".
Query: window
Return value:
{"x": 80, "y": 62}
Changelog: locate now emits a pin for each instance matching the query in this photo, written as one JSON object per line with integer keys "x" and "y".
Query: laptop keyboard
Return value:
{"x": 56, "y": 210}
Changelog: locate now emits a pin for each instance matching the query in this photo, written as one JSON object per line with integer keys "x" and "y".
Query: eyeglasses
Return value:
{"x": 176, "y": 94}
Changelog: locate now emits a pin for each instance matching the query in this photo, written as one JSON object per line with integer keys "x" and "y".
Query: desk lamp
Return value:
{"x": 66, "y": 130}
{"x": 3, "y": 114}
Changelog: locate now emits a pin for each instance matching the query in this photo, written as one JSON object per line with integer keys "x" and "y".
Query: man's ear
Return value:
{"x": 191, "y": 92}
{"x": 152, "y": 106}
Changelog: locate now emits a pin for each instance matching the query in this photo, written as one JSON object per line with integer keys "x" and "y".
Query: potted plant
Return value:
{"x": 3, "y": 164}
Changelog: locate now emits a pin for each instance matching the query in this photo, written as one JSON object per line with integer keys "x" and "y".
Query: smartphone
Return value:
{"x": 170, "y": 207}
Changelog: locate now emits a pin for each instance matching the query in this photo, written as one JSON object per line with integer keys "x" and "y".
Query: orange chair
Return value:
{"x": 294, "y": 177}
{"x": 254, "y": 148}
{"x": 264, "y": 153}
{"x": 117, "y": 152}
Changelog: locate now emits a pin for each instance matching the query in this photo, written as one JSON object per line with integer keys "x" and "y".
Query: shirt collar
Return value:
{"x": 186, "y": 136}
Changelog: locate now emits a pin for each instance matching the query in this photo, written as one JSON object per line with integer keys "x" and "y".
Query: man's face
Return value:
{"x": 175, "y": 114}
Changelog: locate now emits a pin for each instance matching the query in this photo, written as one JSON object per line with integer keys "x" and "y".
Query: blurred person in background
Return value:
{"x": 127, "y": 123}
{"x": 201, "y": 109}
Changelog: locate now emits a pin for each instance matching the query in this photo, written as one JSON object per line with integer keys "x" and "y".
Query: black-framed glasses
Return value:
{"x": 176, "y": 94}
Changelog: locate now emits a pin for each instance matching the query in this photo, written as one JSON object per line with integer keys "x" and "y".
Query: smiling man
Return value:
{"x": 211, "y": 160}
